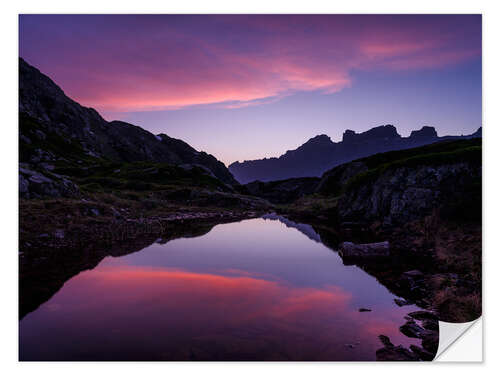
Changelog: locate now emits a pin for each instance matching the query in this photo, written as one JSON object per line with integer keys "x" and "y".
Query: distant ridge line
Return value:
{"x": 320, "y": 153}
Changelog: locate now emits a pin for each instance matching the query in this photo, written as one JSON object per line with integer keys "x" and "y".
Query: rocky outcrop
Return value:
{"x": 382, "y": 133}
{"x": 37, "y": 184}
{"x": 188, "y": 155}
{"x": 407, "y": 193}
{"x": 320, "y": 153}
{"x": 412, "y": 329}
{"x": 427, "y": 330}
{"x": 390, "y": 352}
{"x": 426, "y": 132}
{"x": 400, "y": 186}
{"x": 427, "y": 203}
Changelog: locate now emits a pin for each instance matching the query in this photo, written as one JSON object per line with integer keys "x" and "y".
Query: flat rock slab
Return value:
{"x": 422, "y": 315}
{"x": 413, "y": 274}
{"x": 412, "y": 329}
{"x": 402, "y": 302}
{"x": 349, "y": 250}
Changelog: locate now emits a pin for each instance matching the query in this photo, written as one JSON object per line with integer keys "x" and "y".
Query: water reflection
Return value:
{"x": 254, "y": 290}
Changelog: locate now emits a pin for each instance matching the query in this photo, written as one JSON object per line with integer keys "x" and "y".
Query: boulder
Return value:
{"x": 412, "y": 329}
{"x": 402, "y": 302}
{"x": 430, "y": 341}
{"x": 390, "y": 352}
{"x": 35, "y": 184}
{"x": 349, "y": 250}
{"x": 386, "y": 341}
{"x": 421, "y": 315}
{"x": 430, "y": 324}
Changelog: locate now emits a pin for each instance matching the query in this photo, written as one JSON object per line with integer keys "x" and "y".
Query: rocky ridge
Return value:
{"x": 46, "y": 114}
{"x": 320, "y": 153}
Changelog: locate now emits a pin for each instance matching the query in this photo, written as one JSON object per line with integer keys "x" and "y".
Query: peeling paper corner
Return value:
{"x": 460, "y": 342}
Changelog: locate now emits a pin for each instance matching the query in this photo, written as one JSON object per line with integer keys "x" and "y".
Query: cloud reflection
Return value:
{"x": 178, "y": 314}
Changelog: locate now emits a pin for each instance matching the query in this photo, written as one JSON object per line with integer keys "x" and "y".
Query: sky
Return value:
{"x": 243, "y": 87}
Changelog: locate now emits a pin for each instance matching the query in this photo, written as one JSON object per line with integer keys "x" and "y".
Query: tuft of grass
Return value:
{"x": 312, "y": 207}
{"x": 456, "y": 308}
{"x": 379, "y": 159}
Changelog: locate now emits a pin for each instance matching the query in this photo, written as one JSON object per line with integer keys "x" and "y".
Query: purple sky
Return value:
{"x": 245, "y": 87}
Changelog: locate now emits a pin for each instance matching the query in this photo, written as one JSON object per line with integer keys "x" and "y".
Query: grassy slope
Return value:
{"x": 97, "y": 175}
{"x": 434, "y": 154}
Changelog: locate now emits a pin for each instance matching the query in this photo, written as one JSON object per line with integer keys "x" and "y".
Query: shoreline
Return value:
{"x": 47, "y": 261}
{"x": 47, "y": 264}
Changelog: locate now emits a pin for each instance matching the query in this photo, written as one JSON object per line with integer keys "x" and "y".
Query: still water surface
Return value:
{"x": 253, "y": 290}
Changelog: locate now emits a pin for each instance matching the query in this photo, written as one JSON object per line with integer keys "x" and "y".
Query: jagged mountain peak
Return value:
{"x": 425, "y": 131}
{"x": 320, "y": 139}
{"x": 320, "y": 154}
{"x": 378, "y": 132}
{"x": 319, "y": 143}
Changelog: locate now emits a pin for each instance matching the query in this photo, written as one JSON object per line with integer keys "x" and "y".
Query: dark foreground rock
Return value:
{"x": 430, "y": 341}
{"x": 349, "y": 250}
{"x": 422, "y": 353}
{"x": 402, "y": 302}
{"x": 423, "y": 325}
{"x": 423, "y": 315}
{"x": 412, "y": 329}
{"x": 390, "y": 352}
{"x": 43, "y": 183}
{"x": 426, "y": 352}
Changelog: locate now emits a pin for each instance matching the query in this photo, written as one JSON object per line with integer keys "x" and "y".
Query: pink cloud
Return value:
{"x": 240, "y": 61}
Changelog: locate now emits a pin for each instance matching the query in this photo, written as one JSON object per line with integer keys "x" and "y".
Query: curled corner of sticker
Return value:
{"x": 460, "y": 342}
